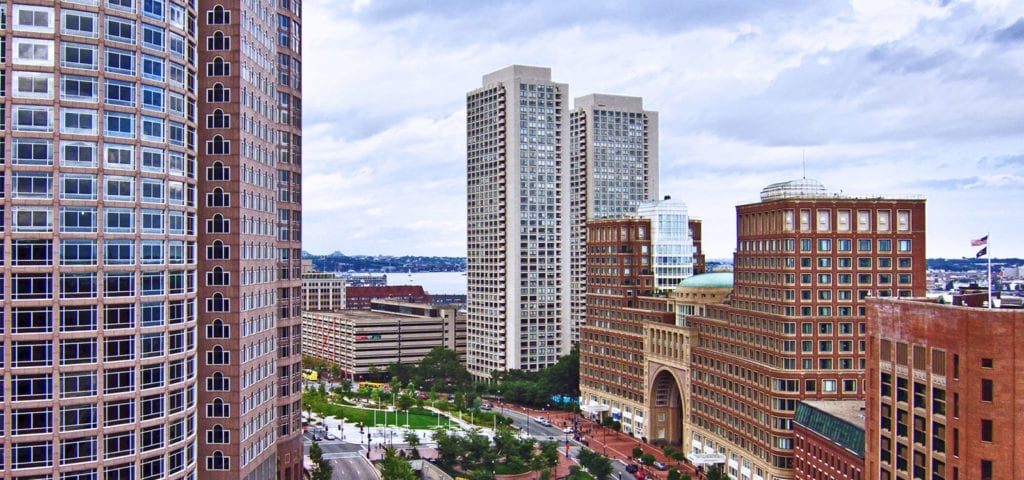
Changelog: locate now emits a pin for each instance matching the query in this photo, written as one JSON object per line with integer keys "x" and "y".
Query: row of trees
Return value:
{"x": 510, "y": 455}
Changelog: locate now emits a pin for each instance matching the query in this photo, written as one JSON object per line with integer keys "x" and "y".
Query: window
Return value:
{"x": 828, "y": 386}
{"x": 218, "y": 16}
{"x": 218, "y": 383}
{"x": 152, "y": 252}
{"x": 120, "y": 125}
{"x": 176, "y": 45}
{"x": 176, "y": 134}
{"x": 118, "y": 316}
{"x": 78, "y": 154}
{"x": 119, "y": 61}
{"x": 35, "y": 85}
{"x": 32, "y": 118}
{"x": 152, "y": 37}
{"x": 152, "y": 129}
{"x": 120, "y": 30}
{"x": 153, "y": 376}
{"x": 152, "y": 160}
{"x": 218, "y": 94}
{"x": 218, "y": 461}
{"x": 78, "y": 121}
{"x": 32, "y": 19}
{"x": 77, "y": 252}
{"x": 120, "y": 189}
{"x": 218, "y": 146}
{"x": 152, "y": 221}
{"x": 79, "y": 24}
{"x": 119, "y": 284}
{"x": 152, "y": 98}
{"x": 119, "y": 93}
{"x": 120, "y": 157}
{"x": 32, "y": 151}
{"x": 176, "y": 74}
{"x": 31, "y": 354}
{"x": 218, "y": 198}
{"x": 75, "y": 352}
{"x": 118, "y": 220}
{"x": 153, "y": 9}
{"x": 903, "y": 245}
{"x": 77, "y": 450}
{"x": 31, "y": 454}
{"x": 218, "y": 119}
{"x": 986, "y": 390}
{"x": 31, "y": 387}
{"x": 33, "y": 52}
{"x": 78, "y": 285}
{"x": 77, "y": 55}
{"x": 176, "y": 105}
{"x": 152, "y": 68}
{"x": 218, "y": 68}
{"x": 26, "y": 253}
{"x": 79, "y": 89}
{"x": 218, "y": 224}
{"x": 119, "y": 445}
{"x": 884, "y": 245}
{"x": 218, "y": 41}
{"x": 78, "y": 417}
{"x": 77, "y": 384}
{"x": 32, "y": 185}
{"x": 118, "y": 252}
{"x": 986, "y": 430}
{"x": 32, "y": 219}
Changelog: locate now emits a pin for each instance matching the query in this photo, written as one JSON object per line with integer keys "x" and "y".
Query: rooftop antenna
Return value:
{"x": 804, "y": 158}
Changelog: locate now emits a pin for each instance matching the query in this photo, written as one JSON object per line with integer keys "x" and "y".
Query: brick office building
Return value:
{"x": 944, "y": 391}
{"x": 828, "y": 440}
{"x": 805, "y": 263}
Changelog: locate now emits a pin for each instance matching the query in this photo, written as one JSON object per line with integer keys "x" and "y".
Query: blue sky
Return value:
{"x": 888, "y": 97}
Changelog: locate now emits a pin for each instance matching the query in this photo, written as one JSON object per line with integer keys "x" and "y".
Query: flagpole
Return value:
{"x": 988, "y": 254}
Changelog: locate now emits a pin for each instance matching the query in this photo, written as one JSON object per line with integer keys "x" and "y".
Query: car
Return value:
{"x": 568, "y": 430}
{"x": 317, "y": 437}
{"x": 330, "y": 436}
{"x": 632, "y": 468}
{"x": 660, "y": 466}
{"x": 485, "y": 406}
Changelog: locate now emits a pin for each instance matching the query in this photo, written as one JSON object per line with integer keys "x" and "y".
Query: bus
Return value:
{"x": 310, "y": 375}
{"x": 375, "y": 385}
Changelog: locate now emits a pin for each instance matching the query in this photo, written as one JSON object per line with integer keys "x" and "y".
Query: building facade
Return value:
{"x": 517, "y": 202}
{"x": 361, "y": 298}
{"x": 672, "y": 240}
{"x": 322, "y": 292}
{"x": 944, "y": 391}
{"x": 619, "y": 305}
{"x": 98, "y": 260}
{"x": 359, "y": 341}
{"x": 249, "y": 231}
{"x": 806, "y": 261}
{"x": 828, "y": 440}
{"x": 613, "y": 154}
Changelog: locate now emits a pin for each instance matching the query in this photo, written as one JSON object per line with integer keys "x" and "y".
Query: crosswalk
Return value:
{"x": 340, "y": 455}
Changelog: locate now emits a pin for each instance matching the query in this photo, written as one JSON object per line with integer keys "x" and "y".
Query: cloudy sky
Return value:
{"x": 888, "y": 97}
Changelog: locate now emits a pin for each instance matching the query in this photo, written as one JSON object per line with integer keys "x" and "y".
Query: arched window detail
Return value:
{"x": 218, "y": 15}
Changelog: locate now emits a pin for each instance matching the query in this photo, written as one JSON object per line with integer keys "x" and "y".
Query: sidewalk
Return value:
{"x": 614, "y": 445}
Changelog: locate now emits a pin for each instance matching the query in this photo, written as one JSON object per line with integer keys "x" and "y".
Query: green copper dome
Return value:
{"x": 708, "y": 280}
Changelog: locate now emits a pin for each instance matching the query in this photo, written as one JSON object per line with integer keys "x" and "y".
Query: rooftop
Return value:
{"x": 841, "y": 421}
{"x": 708, "y": 280}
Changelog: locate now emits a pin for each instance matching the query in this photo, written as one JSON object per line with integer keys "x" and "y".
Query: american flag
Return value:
{"x": 979, "y": 241}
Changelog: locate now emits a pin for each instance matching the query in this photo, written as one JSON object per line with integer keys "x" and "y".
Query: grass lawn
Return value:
{"x": 417, "y": 418}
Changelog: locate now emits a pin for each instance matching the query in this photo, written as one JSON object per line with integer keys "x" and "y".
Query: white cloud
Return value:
{"x": 894, "y": 97}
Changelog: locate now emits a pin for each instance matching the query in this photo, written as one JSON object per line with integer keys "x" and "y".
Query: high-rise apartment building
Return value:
{"x": 536, "y": 174}
{"x": 98, "y": 256}
{"x": 795, "y": 328}
{"x": 613, "y": 154}
{"x": 944, "y": 390}
{"x": 151, "y": 140}
{"x": 249, "y": 234}
{"x": 518, "y": 239}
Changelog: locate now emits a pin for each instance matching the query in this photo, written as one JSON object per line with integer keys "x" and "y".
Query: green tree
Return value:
{"x": 647, "y": 459}
{"x": 637, "y": 451}
{"x": 598, "y": 465}
{"x": 412, "y": 438}
{"x": 322, "y": 468}
{"x": 395, "y": 467}
{"x": 405, "y": 402}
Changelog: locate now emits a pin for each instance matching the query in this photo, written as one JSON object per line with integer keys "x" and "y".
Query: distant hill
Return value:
{"x": 339, "y": 262}
{"x": 967, "y": 264}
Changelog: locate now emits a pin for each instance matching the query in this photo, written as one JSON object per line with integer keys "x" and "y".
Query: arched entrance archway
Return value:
{"x": 666, "y": 407}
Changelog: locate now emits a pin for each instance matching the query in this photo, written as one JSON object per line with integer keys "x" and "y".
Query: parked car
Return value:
{"x": 632, "y": 468}
{"x": 568, "y": 430}
{"x": 660, "y": 466}
{"x": 330, "y": 436}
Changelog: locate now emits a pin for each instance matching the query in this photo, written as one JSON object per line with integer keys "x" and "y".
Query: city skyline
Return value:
{"x": 862, "y": 92}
